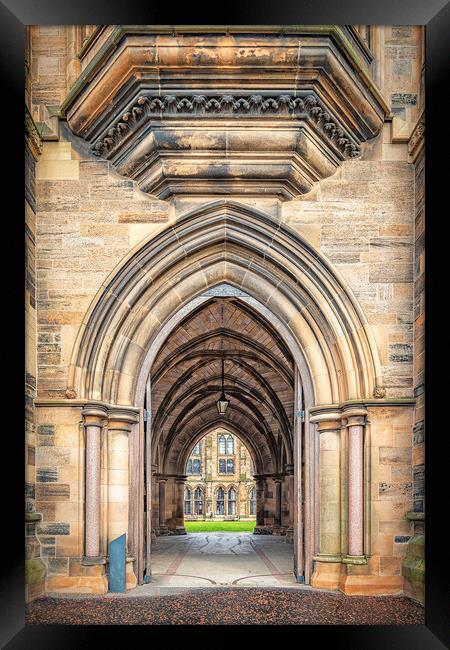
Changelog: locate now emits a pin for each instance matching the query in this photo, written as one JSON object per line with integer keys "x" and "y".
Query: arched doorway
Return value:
{"x": 223, "y": 345}
{"x": 287, "y": 285}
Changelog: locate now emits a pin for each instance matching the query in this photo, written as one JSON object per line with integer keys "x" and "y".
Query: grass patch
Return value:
{"x": 226, "y": 526}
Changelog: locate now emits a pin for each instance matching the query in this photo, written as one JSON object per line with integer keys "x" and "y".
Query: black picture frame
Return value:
{"x": 435, "y": 14}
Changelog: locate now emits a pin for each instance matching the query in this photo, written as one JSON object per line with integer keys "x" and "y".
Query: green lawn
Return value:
{"x": 227, "y": 526}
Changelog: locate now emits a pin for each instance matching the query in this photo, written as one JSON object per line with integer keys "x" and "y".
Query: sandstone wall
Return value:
{"x": 82, "y": 218}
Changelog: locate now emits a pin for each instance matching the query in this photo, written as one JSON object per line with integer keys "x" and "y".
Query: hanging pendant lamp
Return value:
{"x": 222, "y": 403}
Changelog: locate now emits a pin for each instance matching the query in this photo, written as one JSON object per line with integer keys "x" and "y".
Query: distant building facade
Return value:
{"x": 219, "y": 481}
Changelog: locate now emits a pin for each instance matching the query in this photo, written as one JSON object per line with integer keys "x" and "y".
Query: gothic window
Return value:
{"x": 252, "y": 503}
{"x": 187, "y": 501}
{"x": 226, "y": 466}
{"x": 220, "y": 502}
{"x": 231, "y": 501}
{"x": 198, "y": 501}
{"x": 222, "y": 445}
{"x": 197, "y": 449}
{"x": 230, "y": 445}
{"x": 194, "y": 466}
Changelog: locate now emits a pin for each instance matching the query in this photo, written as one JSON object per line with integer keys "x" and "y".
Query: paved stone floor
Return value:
{"x": 222, "y": 559}
{"x": 223, "y": 578}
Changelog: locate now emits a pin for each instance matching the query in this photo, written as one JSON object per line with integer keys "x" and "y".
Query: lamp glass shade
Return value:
{"x": 222, "y": 404}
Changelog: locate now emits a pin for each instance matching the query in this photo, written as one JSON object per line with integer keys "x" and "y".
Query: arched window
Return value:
{"x": 231, "y": 501}
{"x": 197, "y": 449}
{"x": 252, "y": 502}
{"x": 230, "y": 445}
{"x": 198, "y": 501}
{"x": 220, "y": 502}
{"x": 222, "y": 444}
{"x": 187, "y": 502}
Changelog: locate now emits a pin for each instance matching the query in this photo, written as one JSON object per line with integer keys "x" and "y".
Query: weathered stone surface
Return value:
{"x": 389, "y": 455}
{"x": 55, "y": 528}
{"x": 366, "y": 219}
{"x": 52, "y": 492}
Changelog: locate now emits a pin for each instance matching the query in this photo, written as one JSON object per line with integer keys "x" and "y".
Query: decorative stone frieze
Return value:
{"x": 269, "y": 126}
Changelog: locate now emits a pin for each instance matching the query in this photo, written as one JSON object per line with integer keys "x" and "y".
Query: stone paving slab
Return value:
{"x": 222, "y": 559}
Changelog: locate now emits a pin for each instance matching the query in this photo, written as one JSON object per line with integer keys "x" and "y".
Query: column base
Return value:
{"x": 178, "y": 530}
{"x": 290, "y": 535}
{"x": 354, "y": 559}
{"x": 130, "y": 577}
{"x": 87, "y": 575}
{"x": 363, "y": 585}
{"x": 278, "y": 530}
{"x": 163, "y": 530}
{"x": 262, "y": 530}
{"x": 326, "y": 575}
{"x": 78, "y": 584}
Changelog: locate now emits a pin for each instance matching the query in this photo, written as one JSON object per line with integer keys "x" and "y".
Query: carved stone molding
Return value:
{"x": 417, "y": 139}
{"x": 253, "y": 106}
{"x": 379, "y": 392}
{"x": 236, "y": 113}
{"x": 32, "y": 138}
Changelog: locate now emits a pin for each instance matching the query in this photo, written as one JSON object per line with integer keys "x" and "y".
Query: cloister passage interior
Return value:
{"x": 223, "y": 338}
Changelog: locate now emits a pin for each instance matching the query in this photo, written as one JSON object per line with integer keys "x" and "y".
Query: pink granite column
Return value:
{"x": 355, "y": 486}
{"x": 94, "y": 420}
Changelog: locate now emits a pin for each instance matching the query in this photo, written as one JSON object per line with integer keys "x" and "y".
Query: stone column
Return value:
{"x": 120, "y": 424}
{"x": 291, "y": 502}
{"x": 355, "y": 425}
{"x": 260, "y": 486}
{"x": 94, "y": 420}
{"x": 327, "y": 569}
{"x": 277, "y": 518}
{"x": 162, "y": 505}
{"x": 180, "y": 482}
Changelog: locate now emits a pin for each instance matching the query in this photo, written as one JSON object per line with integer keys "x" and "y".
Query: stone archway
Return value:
{"x": 291, "y": 285}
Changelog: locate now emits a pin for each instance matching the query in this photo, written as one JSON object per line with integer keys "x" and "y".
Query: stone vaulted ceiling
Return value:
{"x": 259, "y": 382}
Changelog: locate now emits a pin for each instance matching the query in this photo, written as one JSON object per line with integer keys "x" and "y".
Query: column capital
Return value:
{"x": 354, "y": 415}
{"x": 94, "y": 414}
{"x": 327, "y": 418}
{"x": 121, "y": 419}
{"x": 289, "y": 469}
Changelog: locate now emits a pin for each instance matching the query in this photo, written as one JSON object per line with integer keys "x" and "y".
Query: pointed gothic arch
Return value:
{"x": 224, "y": 241}
{"x": 272, "y": 270}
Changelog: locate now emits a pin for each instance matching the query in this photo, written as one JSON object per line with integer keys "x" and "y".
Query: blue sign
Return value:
{"x": 117, "y": 564}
